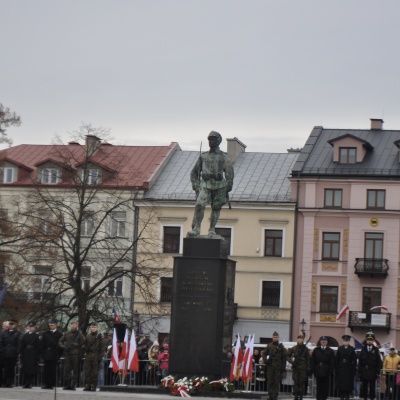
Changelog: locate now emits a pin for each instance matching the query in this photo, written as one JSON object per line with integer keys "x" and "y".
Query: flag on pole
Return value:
{"x": 236, "y": 360}
{"x": 379, "y": 307}
{"x": 248, "y": 359}
{"x": 133, "y": 358}
{"x": 123, "y": 357}
{"x": 3, "y": 292}
{"x": 357, "y": 345}
{"x": 342, "y": 312}
{"x": 116, "y": 317}
{"x": 114, "y": 353}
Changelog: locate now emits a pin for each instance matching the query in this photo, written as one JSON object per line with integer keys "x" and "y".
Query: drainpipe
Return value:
{"x": 296, "y": 217}
{"x": 134, "y": 258}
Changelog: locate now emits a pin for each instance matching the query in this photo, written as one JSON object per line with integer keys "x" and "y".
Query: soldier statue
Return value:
{"x": 212, "y": 180}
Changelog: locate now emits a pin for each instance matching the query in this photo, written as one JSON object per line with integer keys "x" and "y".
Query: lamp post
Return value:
{"x": 303, "y": 325}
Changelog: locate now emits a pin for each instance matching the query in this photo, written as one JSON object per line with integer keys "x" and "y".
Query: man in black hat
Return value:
{"x": 50, "y": 353}
{"x": 370, "y": 365}
{"x": 346, "y": 365}
{"x": 30, "y": 355}
{"x": 299, "y": 357}
{"x": 275, "y": 356}
{"x": 322, "y": 366}
{"x": 212, "y": 180}
{"x": 9, "y": 346}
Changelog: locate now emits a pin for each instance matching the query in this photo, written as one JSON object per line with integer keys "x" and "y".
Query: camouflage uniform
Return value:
{"x": 276, "y": 356}
{"x": 72, "y": 343}
{"x": 299, "y": 357}
{"x": 93, "y": 354}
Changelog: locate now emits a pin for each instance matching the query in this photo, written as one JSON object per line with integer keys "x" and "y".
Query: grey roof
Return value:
{"x": 259, "y": 177}
{"x": 382, "y": 159}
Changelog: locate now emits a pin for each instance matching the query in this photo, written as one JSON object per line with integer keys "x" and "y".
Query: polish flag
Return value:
{"x": 236, "y": 361}
{"x": 248, "y": 359}
{"x": 123, "y": 357}
{"x": 133, "y": 358}
{"x": 379, "y": 307}
{"x": 116, "y": 317}
{"x": 114, "y": 353}
{"x": 342, "y": 312}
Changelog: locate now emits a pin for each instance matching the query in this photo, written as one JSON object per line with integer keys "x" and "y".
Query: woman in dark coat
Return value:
{"x": 345, "y": 364}
{"x": 30, "y": 355}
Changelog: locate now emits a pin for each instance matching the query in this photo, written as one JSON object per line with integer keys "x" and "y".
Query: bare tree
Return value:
{"x": 7, "y": 119}
{"x": 80, "y": 236}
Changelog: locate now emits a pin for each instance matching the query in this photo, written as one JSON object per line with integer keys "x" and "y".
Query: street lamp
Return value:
{"x": 303, "y": 325}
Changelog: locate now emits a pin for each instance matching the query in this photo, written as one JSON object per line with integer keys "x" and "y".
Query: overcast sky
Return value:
{"x": 156, "y": 72}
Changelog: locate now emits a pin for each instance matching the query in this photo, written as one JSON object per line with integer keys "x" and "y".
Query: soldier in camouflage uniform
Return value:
{"x": 93, "y": 353}
{"x": 275, "y": 355}
{"x": 72, "y": 343}
{"x": 299, "y": 357}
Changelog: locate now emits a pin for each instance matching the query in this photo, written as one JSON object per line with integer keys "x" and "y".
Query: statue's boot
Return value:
{"x": 194, "y": 232}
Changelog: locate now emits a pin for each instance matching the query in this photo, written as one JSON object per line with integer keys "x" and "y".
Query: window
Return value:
{"x": 271, "y": 294}
{"x": 372, "y": 297}
{"x": 85, "y": 278}
{"x": 87, "y": 227}
{"x": 118, "y": 219}
{"x": 49, "y": 175}
{"x": 7, "y": 175}
{"x": 376, "y": 198}
{"x": 273, "y": 243}
{"x": 374, "y": 245}
{"x": 115, "y": 286}
{"x": 347, "y": 155}
{"x": 166, "y": 290}
{"x": 172, "y": 239}
{"x": 330, "y": 246}
{"x": 226, "y": 234}
{"x": 333, "y": 198}
{"x": 45, "y": 224}
{"x": 91, "y": 176}
{"x": 42, "y": 282}
{"x": 329, "y": 298}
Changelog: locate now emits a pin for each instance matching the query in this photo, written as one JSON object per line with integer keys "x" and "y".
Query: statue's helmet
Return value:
{"x": 216, "y": 134}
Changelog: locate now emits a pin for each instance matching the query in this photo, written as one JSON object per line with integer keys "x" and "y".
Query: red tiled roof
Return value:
{"x": 135, "y": 165}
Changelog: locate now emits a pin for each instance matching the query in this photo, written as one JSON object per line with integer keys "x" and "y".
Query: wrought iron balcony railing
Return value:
{"x": 372, "y": 267}
{"x": 359, "y": 319}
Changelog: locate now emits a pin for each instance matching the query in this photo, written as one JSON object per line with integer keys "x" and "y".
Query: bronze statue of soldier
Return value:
{"x": 212, "y": 180}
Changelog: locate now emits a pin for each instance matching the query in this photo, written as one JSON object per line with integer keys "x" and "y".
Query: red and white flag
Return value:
{"x": 114, "y": 353}
{"x": 248, "y": 359}
{"x": 133, "y": 359}
{"x": 116, "y": 317}
{"x": 379, "y": 307}
{"x": 236, "y": 360}
{"x": 123, "y": 357}
{"x": 342, "y": 312}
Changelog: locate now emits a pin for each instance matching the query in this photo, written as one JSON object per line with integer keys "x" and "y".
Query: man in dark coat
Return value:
{"x": 50, "y": 353}
{"x": 5, "y": 327}
{"x": 299, "y": 357}
{"x": 30, "y": 355}
{"x": 370, "y": 365}
{"x": 10, "y": 349}
{"x": 275, "y": 355}
{"x": 346, "y": 364}
{"x": 322, "y": 366}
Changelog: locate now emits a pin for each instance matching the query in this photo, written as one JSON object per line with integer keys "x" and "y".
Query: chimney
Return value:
{"x": 376, "y": 124}
{"x": 235, "y": 147}
{"x": 92, "y": 143}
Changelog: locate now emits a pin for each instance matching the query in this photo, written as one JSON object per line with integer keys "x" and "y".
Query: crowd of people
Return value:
{"x": 342, "y": 372}
{"x": 89, "y": 353}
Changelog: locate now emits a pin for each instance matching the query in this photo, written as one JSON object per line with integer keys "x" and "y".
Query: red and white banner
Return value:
{"x": 237, "y": 360}
{"x": 133, "y": 359}
{"x": 379, "y": 308}
{"x": 342, "y": 312}
{"x": 248, "y": 359}
{"x": 114, "y": 364}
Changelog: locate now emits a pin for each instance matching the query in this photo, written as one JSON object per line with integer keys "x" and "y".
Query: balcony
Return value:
{"x": 369, "y": 320}
{"x": 371, "y": 267}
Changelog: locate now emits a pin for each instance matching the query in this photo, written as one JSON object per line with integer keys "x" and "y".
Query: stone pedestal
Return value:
{"x": 202, "y": 308}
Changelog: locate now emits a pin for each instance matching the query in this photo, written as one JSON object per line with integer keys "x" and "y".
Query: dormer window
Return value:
{"x": 50, "y": 176}
{"x": 91, "y": 176}
{"x": 347, "y": 155}
{"x": 6, "y": 175}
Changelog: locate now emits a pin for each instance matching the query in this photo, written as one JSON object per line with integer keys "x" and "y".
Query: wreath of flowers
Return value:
{"x": 186, "y": 387}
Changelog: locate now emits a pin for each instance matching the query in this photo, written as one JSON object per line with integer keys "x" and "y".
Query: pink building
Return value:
{"x": 347, "y": 246}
